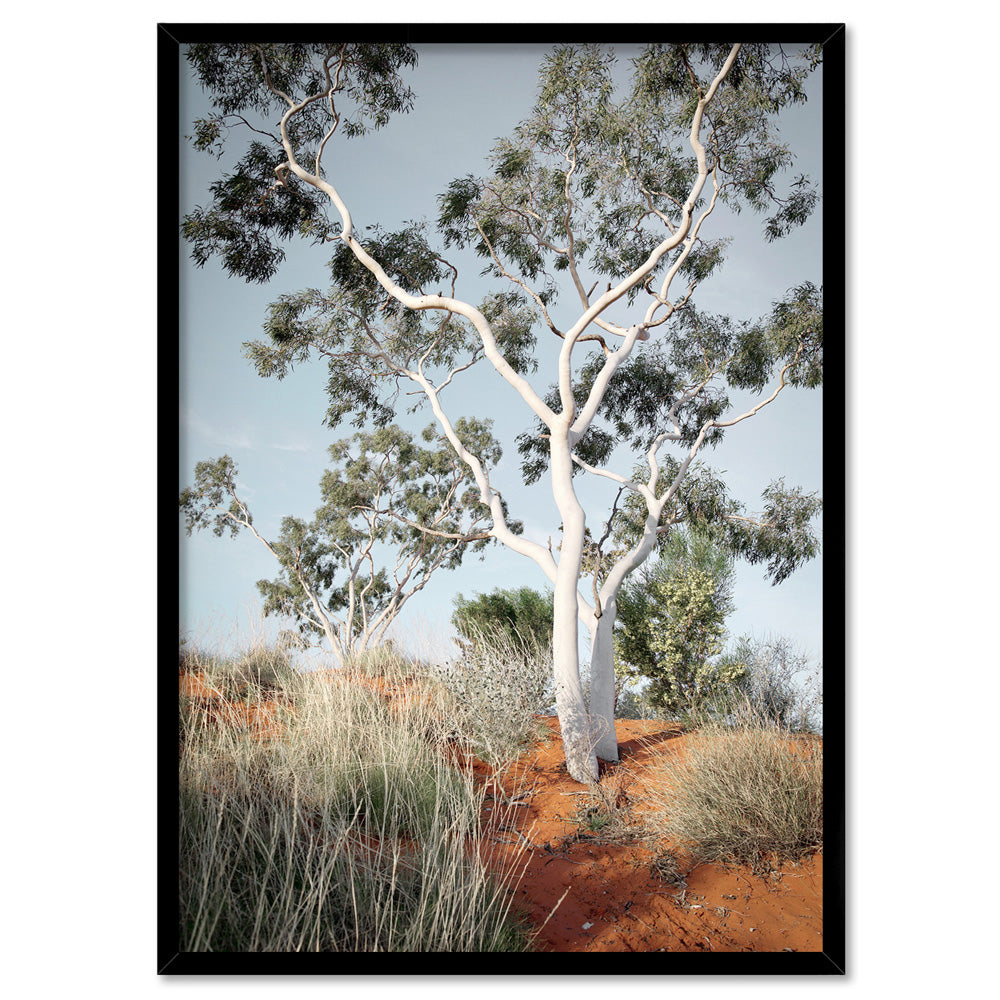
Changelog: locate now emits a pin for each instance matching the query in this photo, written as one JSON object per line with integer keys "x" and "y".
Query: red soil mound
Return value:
{"x": 209, "y": 707}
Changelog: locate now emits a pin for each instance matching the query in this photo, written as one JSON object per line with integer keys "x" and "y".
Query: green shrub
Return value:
{"x": 632, "y": 703}
{"x": 671, "y": 624}
{"x": 513, "y": 619}
{"x": 781, "y": 688}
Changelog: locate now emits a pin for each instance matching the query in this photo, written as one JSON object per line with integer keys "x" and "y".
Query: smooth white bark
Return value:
{"x": 602, "y": 670}
{"x": 574, "y": 723}
{"x": 602, "y": 684}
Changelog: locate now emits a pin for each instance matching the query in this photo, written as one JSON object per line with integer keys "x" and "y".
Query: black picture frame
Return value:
{"x": 832, "y": 959}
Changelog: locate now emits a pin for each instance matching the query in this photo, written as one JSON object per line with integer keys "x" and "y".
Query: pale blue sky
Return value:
{"x": 467, "y": 96}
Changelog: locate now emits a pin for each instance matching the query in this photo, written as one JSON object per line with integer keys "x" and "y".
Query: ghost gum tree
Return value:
{"x": 592, "y": 191}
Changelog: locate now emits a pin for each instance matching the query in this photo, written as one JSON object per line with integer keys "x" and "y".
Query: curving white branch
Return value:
{"x": 675, "y": 239}
{"x": 415, "y": 302}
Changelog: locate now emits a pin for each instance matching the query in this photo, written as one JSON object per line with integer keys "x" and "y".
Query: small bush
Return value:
{"x": 520, "y": 617}
{"x": 383, "y": 661}
{"x": 782, "y": 688}
{"x": 770, "y": 685}
{"x": 495, "y": 691}
{"x": 634, "y": 703}
{"x": 671, "y": 625}
{"x": 744, "y": 794}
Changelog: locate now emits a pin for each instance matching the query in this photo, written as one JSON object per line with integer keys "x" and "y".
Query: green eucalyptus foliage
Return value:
{"x": 574, "y": 199}
{"x": 651, "y": 386}
{"x": 779, "y": 535}
{"x": 247, "y": 220}
{"x": 369, "y": 341}
{"x": 580, "y": 182}
{"x": 580, "y": 185}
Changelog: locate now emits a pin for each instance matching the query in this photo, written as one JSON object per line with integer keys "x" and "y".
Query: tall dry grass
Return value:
{"x": 346, "y": 832}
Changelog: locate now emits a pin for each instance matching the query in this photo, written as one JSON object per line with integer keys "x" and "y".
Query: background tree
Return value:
{"x": 521, "y": 616}
{"x": 604, "y": 191}
{"x": 393, "y": 512}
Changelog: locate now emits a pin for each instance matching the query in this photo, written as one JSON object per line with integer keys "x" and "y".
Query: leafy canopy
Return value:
{"x": 587, "y": 184}
{"x": 248, "y": 218}
{"x": 578, "y": 196}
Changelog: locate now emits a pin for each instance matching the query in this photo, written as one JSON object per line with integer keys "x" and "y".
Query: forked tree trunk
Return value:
{"x": 602, "y": 646}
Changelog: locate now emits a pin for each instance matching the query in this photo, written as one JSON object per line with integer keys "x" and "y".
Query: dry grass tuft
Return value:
{"x": 746, "y": 795}
{"x": 606, "y": 811}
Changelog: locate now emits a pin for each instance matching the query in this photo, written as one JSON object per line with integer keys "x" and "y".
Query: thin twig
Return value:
{"x": 553, "y": 910}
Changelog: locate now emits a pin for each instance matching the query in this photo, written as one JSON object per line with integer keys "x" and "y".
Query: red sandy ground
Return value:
{"x": 615, "y": 901}
{"x": 587, "y": 890}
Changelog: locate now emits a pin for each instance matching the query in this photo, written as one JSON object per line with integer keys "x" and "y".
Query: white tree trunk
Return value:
{"x": 574, "y": 720}
{"x": 602, "y": 683}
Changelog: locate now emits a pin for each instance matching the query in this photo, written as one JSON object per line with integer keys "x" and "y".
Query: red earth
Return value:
{"x": 589, "y": 874}
{"x": 618, "y": 891}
